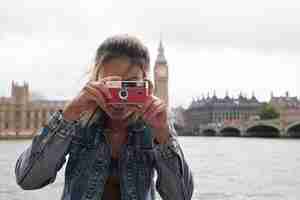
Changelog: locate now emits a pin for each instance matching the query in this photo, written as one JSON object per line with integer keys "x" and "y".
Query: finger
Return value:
{"x": 161, "y": 108}
{"x": 147, "y": 105}
{"x": 101, "y": 86}
{"x": 91, "y": 98}
{"x": 112, "y": 78}
{"x": 96, "y": 96}
{"x": 99, "y": 102}
{"x": 91, "y": 89}
{"x": 91, "y": 94}
{"x": 154, "y": 106}
{"x": 86, "y": 103}
{"x": 89, "y": 106}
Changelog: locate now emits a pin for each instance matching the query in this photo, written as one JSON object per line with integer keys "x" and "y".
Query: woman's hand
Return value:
{"x": 93, "y": 94}
{"x": 154, "y": 113}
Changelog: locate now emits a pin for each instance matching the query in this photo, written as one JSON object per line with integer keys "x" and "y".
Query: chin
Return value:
{"x": 122, "y": 116}
{"x": 115, "y": 117}
{"x": 119, "y": 115}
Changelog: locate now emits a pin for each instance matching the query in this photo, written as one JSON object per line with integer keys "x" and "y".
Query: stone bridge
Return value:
{"x": 252, "y": 129}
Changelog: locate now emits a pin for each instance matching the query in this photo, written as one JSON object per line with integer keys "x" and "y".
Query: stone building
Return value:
{"x": 283, "y": 102}
{"x": 287, "y": 106}
{"x": 20, "y": 113}
{"x": 214, "y": 110}
{"x": 161, "y": 75}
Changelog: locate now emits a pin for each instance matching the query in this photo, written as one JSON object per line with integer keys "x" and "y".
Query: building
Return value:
{"x": 161, "y": 75}
{"x": 287, "y": 106}
{"x": 284, "y": 102}
{"x": 20, "y": 113}
{"x": 214, "y": 110}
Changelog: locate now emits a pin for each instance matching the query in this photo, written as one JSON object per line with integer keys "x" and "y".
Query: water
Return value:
{"x": 224, "y": 169}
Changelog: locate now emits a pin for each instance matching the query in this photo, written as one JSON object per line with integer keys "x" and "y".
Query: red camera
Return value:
{"x": 128, "y": 92}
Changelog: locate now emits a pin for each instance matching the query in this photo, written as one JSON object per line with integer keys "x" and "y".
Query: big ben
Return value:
{"x": 161, "y": 75}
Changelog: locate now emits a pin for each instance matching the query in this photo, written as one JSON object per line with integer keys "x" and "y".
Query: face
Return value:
{"x": 128, "y": 72}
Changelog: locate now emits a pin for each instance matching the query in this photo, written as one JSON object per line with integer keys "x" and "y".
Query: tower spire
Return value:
{"x": 253, "y": 98}
{"x": 161, "y": 59}
{"x": 214, "y": 94}
{"x": 227, "y": 95}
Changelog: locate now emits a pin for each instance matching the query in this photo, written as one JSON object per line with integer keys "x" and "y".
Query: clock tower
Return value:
{"x": 161, "y": 75}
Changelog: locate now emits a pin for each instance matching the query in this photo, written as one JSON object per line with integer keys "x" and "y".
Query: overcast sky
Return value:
{"x": 232, "y": 45}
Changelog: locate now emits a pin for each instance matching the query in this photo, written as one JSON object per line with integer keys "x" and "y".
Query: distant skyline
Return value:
{"x": 233, "y": 46}
{"x": 210, "y": 94}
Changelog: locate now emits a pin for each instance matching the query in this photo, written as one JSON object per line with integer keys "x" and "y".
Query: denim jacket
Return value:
{"x": 89, "y": 156}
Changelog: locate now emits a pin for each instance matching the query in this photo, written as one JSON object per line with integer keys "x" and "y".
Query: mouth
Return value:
{"x": 117, "y": 110}
{"x": 120, "y": 111}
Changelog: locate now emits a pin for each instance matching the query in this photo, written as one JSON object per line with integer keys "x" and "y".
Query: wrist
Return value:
{"x": 70, "y": 115}
{"x": 162, "y": 135}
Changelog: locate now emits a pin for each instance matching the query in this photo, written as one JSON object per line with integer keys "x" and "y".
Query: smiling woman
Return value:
{"x": 113, "y": 150}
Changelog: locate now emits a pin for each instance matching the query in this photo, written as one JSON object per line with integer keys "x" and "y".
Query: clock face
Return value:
{"x": 162, "y": 71}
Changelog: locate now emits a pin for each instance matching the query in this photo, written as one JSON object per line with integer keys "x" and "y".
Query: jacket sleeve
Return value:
{"x": 37, "y": 166}
{"x": 174, "y": 176}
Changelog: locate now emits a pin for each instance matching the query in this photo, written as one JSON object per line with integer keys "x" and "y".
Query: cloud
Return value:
{"x": 216, "y": 40}
{"x": 237, "y": 24}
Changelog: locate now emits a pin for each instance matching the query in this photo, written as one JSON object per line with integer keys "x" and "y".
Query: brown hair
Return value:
{"x": 118, "y": 46}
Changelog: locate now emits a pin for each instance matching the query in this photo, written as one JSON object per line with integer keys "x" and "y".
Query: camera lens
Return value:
{"x": 123, "y": 94}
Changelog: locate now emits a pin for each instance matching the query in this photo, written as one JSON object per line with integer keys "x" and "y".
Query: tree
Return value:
{"x": 268, "y": 112}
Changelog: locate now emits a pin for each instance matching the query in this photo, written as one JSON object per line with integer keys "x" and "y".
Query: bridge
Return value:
{"x": 252, "y": 129}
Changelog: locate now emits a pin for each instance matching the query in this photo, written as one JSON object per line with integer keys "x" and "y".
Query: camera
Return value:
{"x": 128, "y": 92}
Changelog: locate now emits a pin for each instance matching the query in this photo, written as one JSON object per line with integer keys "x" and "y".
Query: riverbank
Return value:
{"x": 15, "y": 137}
{"x": 12, "y": 135}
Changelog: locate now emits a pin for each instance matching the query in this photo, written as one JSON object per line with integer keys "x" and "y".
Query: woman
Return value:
{"x": 113, "y": 150}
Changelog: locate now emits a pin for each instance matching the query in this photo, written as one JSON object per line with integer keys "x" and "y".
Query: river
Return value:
{"x": 224, "y": 169}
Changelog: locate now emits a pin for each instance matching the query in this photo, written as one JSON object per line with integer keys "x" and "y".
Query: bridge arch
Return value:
{"x": 230, "y": 131}
{"x": 293, "y": 130}
{"x": 209, "y": 132}
{"x": 263, "y": 130}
